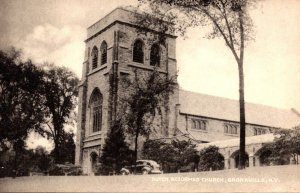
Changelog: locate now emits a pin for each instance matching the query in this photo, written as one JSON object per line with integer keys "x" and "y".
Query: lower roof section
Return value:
{"x": 258, "y": 139}
{"x": 228, "y": 109}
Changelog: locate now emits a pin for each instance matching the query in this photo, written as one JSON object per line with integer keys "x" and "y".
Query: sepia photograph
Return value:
{"x": 149, "y": 95}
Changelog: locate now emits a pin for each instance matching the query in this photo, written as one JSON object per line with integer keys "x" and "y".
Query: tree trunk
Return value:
{"x": 56, "y": 151}
{"x": 242, "y": 152}
{"x": 242, "y": 119}
{"x": 58, "y": 132}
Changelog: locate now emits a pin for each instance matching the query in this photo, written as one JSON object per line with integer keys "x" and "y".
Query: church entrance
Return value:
{"x": 93, "y": 164}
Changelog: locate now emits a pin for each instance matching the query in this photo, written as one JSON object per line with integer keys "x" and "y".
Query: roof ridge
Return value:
{"x": 236, "y": 100}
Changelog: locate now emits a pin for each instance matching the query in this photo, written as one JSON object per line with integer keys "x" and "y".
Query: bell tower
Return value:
{"x": 115, "y": 48}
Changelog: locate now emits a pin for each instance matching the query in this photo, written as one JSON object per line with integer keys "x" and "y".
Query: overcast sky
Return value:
{"x": 55, "y": 30}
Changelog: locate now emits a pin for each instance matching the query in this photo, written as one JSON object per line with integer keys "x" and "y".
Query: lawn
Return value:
{"x": 259, "y": 179}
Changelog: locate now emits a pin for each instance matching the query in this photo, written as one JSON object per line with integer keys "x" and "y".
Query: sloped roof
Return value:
{"x": 267, "y": 138}
{"x": 228, "y": 109}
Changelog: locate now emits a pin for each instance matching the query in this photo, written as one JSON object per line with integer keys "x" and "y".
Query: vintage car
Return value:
{"x": 142, "y": 167}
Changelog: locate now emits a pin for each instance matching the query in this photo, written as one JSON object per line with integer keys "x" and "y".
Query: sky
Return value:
{"x": 55, "y": 30}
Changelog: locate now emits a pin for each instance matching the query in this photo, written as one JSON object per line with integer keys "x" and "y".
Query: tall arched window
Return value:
{"x": 94, "y": 55}
{"x": 103, "y": 50}
{"x": 138, "y": 51}
{"x": 96, "y": 101}
{"x": 155, "y": 55}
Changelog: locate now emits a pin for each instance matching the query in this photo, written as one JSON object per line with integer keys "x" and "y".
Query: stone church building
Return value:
{"x": 115, "y": 49}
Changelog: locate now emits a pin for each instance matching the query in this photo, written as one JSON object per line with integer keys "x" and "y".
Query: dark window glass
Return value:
{"x": 96, "y": 110}
{"x": 138, "y": 52}
{"x": 94, "y": 55}
{"x": 155, "y": 55}
{"x": 103, "y": 53}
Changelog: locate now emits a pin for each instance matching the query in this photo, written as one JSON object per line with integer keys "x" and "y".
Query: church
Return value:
{"x": 115, "y": 49}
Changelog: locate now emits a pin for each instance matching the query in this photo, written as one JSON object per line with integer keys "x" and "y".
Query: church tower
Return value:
{"x": 115, "y": 48}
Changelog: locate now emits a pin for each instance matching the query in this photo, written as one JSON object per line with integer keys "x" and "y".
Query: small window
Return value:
{"x": 199, "y": 124}
{"x": 226, "y": 130}
{"x": 258, "y": 131}
{"x": 103, "y": 50}
{"x": 138, "y": 51}
{"x": 155, "y": 55}
{"x": 231, "y": 129}
{"x": 94, "y": 55}
{"x": 194, "y": 125}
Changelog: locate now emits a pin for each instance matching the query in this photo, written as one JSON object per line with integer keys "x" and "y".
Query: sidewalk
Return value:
{"x": 259, "y": 179}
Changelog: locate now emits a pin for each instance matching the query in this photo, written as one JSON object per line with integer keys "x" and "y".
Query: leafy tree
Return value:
{"x": 60, "y": 91}
{"x": 229, "y": 20}
{"x": 22, "y": 161}
{"x": 184, "y": 152}
{"x": 286, "y": 145}
{"x": 67, "y": 147}
{"x": 160, "y": 151}
{"x": 116, "y": 153}
{"x": 173, "y": 155}
{"x": 144, "y": 95}
{"x": 210, "y": 158}
{"x": 42, "y": 159}
{"x": 21, "y": 101}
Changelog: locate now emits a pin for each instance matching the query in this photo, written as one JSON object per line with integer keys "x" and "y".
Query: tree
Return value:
{"x": 286, "y": 145}
{"x": 160, "y": 151}
{"x": 185, "y": 152}
{"x": 116, "y": 153}
{"x": 173, "y": 155}
{"x": 229, "y": 19}
{"x": 60, "y": 91}
{"x": 144, "y": 95}
{"x": 41, "y": 159}
{"x": 211, "y": 159}
{"x": 66, "y": 147}
{"x": 21, "y": 100}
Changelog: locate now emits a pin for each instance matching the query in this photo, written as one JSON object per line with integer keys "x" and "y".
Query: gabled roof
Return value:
{"x": 228, "y": 109}
{"x": 258, "y": 139}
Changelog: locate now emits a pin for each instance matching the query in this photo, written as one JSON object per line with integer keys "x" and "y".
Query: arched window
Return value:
{"x": 138, "y": 51}
{"x": 103, "y": 50}
{"x": 96, "y": 110}
{"x": 94, "y": 55}
{"x": 155, "y": 55}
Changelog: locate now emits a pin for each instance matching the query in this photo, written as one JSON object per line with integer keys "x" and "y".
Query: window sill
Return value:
{"x": 228, "y": 134}
{"x": 98, "y": 69}
{"x": 93, "y": 137}
{"x": 146, "y": 67}
{"x": 96, "y": 133}
{"x": 200, "y": 130}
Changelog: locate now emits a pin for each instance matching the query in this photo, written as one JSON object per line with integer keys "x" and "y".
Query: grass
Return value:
{"x": 257, "y": 179}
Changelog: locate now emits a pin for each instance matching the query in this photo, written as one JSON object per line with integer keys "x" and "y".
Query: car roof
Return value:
{"x": 145, "y": 160}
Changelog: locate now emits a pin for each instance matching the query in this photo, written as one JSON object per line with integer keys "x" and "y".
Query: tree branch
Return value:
{"x": 222, "y": 33}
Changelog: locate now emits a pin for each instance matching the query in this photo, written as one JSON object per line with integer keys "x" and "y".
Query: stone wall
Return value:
{"x": 214, "y": 128}
{"x": 120, "y": 38}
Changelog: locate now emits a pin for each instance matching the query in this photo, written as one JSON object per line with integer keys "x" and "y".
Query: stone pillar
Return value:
{"x": 251, "y": 161}
{"x": 232, "y": 164}
{"x": 226, "y": 164}
{"x": 257, "y": 162}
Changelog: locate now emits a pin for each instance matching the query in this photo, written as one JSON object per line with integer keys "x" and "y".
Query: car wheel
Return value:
{"x": 145, "y": 172}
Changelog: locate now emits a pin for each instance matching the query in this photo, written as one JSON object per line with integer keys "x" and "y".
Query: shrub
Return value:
{"x": 65, "y": 170}
{"x": 211, "y": 159}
